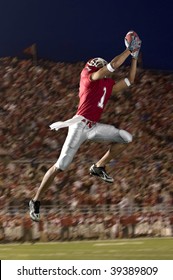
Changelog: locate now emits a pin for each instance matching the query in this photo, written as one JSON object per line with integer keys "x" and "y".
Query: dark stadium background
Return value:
{"x": 72, "y": 30}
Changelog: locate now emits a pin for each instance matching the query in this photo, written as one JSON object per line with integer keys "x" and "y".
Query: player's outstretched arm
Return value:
{"x": 133, "y": 44}
{"x": 134, "y": 47}
{"x": 127, "y": 81}
{"x": 112, "y": 66}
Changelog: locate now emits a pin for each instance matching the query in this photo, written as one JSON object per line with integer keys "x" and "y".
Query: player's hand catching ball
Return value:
{"x": 133, "y": 43}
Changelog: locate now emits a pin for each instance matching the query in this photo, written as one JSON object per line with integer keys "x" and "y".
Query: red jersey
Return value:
{"x": 93, "y": 94}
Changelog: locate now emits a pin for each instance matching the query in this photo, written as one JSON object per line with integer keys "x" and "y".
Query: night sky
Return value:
{"x": 74, "y": 30}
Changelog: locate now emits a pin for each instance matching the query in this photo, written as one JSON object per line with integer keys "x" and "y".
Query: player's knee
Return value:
{"x": 56, "y": 169}
{"x": 126, "y": 136}
{"x": 63, "y": 163}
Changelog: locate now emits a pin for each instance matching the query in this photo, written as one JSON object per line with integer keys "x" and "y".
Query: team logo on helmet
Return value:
{"x": 97, "y": 62}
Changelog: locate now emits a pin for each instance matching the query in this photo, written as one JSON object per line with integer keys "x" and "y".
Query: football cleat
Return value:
{"x": 100, "y": 172}
{"x": 34, "y": 210}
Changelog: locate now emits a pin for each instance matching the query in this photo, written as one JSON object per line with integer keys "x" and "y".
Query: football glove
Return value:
{"x": 135, "y": 54}
{"x": 135, "y": 44}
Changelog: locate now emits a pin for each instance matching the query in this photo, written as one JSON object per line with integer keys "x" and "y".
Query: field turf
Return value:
{"x": 121, "y": 249}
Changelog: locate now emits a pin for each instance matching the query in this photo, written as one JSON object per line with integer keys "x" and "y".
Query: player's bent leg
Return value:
{"x": 118, "y": 138}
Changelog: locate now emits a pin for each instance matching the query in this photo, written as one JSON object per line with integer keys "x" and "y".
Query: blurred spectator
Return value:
{"x": 31, "y": 98}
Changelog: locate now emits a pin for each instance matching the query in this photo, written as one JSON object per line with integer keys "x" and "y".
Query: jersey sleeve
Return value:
{"x": 86, "y": 76}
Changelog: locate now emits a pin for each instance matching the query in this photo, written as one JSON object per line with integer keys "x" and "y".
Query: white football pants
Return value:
{"x": 79, "y": 132}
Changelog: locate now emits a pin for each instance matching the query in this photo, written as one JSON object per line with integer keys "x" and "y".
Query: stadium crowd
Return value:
{"x": 35, "y": 95}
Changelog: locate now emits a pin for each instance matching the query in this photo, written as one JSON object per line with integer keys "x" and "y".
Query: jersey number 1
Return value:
{"x": 101, "y": 102}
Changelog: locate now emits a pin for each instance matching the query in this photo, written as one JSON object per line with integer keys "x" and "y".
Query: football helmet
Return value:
{"x": 97, "y": 62}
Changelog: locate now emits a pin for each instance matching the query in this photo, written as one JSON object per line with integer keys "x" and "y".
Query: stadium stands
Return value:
{"x": 32, "y": 97}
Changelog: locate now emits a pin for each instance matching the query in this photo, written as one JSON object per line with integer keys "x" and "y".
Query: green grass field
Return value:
{"x": 121, "y": 249}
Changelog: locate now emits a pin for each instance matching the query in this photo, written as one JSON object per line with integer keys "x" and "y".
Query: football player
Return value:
{"x": 96, "y": 87}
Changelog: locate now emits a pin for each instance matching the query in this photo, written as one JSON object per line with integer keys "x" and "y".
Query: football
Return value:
{"x": 129, "y": 36}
